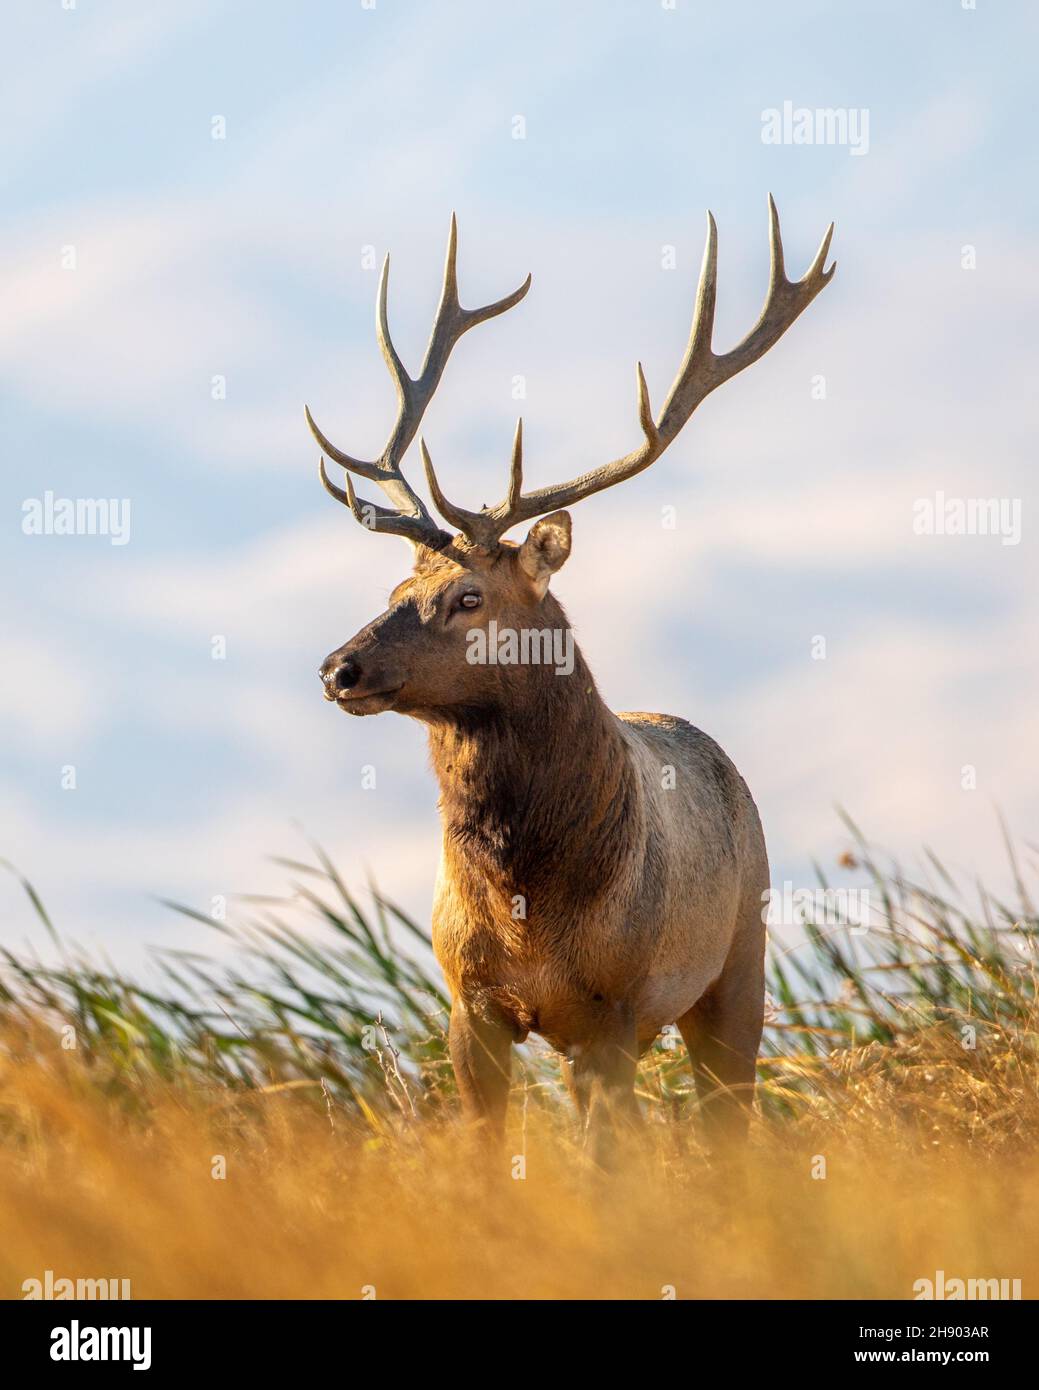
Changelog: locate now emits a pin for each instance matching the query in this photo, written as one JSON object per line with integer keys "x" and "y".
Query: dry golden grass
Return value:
{"x": 313, "y": 1061}
{"x": 929, "y": 1165}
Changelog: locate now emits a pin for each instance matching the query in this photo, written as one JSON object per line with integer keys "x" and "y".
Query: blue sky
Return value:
{"x": 350, "y": 128}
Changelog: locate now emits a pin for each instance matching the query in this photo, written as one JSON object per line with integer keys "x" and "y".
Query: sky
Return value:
{"x": 195, "y": 200}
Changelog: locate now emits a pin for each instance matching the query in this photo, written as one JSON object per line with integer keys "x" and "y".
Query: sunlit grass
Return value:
{"x": 896, "y": 1131}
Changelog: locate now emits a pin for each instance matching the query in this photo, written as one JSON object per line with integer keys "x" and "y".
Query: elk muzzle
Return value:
{"x": 366, "y": 674}
{"x": 357, "y": 686}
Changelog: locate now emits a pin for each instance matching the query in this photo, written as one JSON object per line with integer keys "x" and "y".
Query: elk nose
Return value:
{"x": 346, "y": 674}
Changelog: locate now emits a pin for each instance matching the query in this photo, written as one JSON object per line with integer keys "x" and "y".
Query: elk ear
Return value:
{"x": 545, "y": 550}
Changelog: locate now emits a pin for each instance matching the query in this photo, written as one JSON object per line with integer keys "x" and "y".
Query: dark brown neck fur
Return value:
{"x": 539, "y": 792}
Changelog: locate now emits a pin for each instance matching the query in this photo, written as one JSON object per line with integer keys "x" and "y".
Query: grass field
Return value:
{"x": 280, "y": 1123}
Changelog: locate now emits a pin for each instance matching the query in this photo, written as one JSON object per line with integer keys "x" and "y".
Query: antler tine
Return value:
{"x": 457, "y": 516}
{"x": 481, "y": 528}
{"x": 382, "y": 333}
{"x": 516, "y": 468}
{"x": 384, "y": 519}
{"x": 450, "y": 322}
{"x": 786, "y": 301}
{"x": 702, "y": 371}
{"x": 413, "y": 396}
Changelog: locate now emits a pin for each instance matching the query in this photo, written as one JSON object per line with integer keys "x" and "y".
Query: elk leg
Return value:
{"x": 602, "y": 1082}
{"x": 722, "y": 1032}
{"x": 481, "y": 1056}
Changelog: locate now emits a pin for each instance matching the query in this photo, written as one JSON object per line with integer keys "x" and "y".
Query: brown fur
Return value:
{"x": 585, "y": 893}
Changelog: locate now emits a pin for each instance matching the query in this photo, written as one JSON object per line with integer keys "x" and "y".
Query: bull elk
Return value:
{"x": 602, "y": 875}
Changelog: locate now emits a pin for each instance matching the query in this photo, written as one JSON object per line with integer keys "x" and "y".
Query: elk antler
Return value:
{"x": 408, "y": 516}
{"x": 702, "y": 370}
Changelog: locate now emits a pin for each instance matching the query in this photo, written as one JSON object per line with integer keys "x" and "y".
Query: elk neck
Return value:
{"x": 539, "y": 789}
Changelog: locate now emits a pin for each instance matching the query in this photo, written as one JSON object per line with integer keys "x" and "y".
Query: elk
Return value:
{"x": 602, "y": 875}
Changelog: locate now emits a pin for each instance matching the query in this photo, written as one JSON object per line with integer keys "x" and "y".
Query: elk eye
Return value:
{"x": 470, "y": 601}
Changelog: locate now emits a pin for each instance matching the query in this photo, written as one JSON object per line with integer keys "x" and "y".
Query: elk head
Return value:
{"x": 413, "y": 657}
